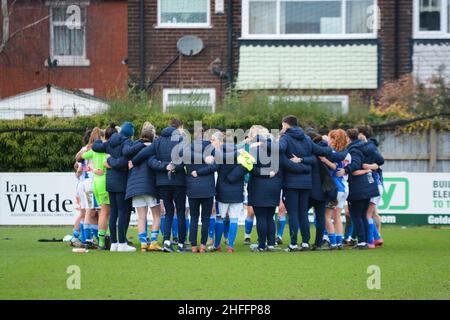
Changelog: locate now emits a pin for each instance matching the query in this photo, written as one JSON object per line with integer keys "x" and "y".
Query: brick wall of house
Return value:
{"x": 160, "y": 49}
{"x": 387, "y": 37}
{"x": 22, "y": 66}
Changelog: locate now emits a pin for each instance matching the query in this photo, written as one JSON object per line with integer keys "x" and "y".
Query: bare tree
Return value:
{"x": 7, "y": 9}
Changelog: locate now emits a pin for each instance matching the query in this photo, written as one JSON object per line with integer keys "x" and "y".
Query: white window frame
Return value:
{"x": 210, "y": 91}
{"x": 344, "y": 100}
{"x": 444, "y": 33}
{"x": 193, "y": 25}
{"x": 317, "y": 36}
{"x": 68, "y": 61}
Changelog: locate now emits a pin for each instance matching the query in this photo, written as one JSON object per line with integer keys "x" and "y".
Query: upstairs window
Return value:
{"x": 309, "y": 19}
{"x": 68, "y": 34}
{"x": 183, "y": 13}
{"x": 432, "y": 18}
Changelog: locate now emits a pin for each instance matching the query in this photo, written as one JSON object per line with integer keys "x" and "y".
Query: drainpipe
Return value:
{"x": 396, "y": 41}
{"x": 230, "y": 42}
{"x": 141, "y": 46}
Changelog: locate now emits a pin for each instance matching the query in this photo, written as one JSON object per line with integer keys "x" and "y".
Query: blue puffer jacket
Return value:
{"x": 362, "y": 186}
{"x": 170, "y": 138}
{"x": 204, "y": 185}
{"x": 141, "y": 179}
{"x": 295, "y": 142}
{"x": 230, "y": 180}
{"x": 317, "y": 190}
{"x": 373, "y": 155}
{"x": 116, "y": 177}
{"x": 264, "y": 191}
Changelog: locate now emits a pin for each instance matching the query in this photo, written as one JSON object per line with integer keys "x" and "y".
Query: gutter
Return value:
{"x": 141, "y": 46}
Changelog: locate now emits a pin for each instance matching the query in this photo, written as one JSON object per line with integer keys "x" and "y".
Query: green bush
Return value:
{"x": 54, "y": 151}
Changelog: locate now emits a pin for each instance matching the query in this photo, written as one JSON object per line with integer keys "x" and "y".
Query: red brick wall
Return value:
{"x": 22, "y": 68}
{"x": 386, "y": 35}
{"x": 160, "y": 47}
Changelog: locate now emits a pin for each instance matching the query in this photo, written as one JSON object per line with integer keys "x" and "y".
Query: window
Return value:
{"x": 68, "y": 33}
{"x": 432, "y": 18}
{"x": 184, "y": 14}
{"x": 309, "y": 19}
{"x": 332, "y": 103}
{"x": 204, "y": 99}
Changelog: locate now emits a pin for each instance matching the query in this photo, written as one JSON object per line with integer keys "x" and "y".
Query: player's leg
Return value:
{"x": 249, "y": 220}
{"x": 122, "y": 225}
{"x": 113, "y": 216}
{"x": 167, "y": 197}
{"x": 261, "y": 227}
{"x": 329, "y": 225}
{"x": 291, "y": 199}
{"x": 212, "y": 223}
{"x": 303, "y": 199}
{"x": 223, "y": 209}
{"x": 207, "y": 205}
{"x": 270, "y": 216}
{"x": 141, "y": 209}
{"x": 156, "y": 214}
{"x": 281, "y": 223}
{"x": 234, "y": 210}
{"x": 194, "y": 205}
{"x": 180, "y": 204}
{"x": 188, "y": 222}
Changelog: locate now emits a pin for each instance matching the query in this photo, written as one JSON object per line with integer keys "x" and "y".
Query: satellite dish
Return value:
{"x": 190, "y": 45}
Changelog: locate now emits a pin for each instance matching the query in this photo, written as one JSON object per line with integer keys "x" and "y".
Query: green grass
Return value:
{"x": 415, "y": 264}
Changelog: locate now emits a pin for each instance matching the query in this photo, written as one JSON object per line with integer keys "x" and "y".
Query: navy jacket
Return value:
{"x": 373, "y": 155}
{"x": 141, "y": 179}
{"x": 230, "y": 180}
{"x": 204, "y": 185}
{"x": 317, "y": 190}
{"x": 362, "y": 186}
{"x": 116, "y": 177}
{"x": 264, "y": 191}
{"x": 295, "y": 142}
{"x": 170, "y": 138}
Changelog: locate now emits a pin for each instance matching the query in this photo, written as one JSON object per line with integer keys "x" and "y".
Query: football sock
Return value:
{"x": 376, "y": 234}
{"x": 161, "y": 227}
{"x": 218, "y": 231}
{"x": 154, "y": 236}
{"x": 101, "y": 237}
{"x": 83, "y": 236}
{"x": 371, "y": 231}
{"x": 212, "y": 225}
{"x": 143, "y": 237}
{"x": 175, "y": 227}
{"x": 332, "y": 237}
{"x": 233, "y": 231}
{"x": 339, "y": 239}
{"x": 87, "y": 232}
{"x": 248, "y": 226}
{"x": 188, "y": 222}
{"x": 94, "y": 228}
{"x": 281, "y": 225}
{"x": 75, "y": 233}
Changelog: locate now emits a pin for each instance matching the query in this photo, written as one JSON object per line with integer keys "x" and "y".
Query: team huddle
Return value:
{"x": 215, "y": 179}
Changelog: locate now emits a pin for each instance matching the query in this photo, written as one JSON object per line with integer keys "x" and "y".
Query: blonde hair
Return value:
{"x": 257, "y": 130}
{"x": 95, "y": 135}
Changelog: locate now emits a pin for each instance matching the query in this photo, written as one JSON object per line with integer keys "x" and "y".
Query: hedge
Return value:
{"x": 53, "y": 142}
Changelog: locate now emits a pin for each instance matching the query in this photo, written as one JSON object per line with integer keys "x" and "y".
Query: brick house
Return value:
{"x": 89, "y": 56}
{"x": 335, "y": 47}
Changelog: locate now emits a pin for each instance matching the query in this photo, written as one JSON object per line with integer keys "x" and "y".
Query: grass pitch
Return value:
{"x": 414, "y": 264}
